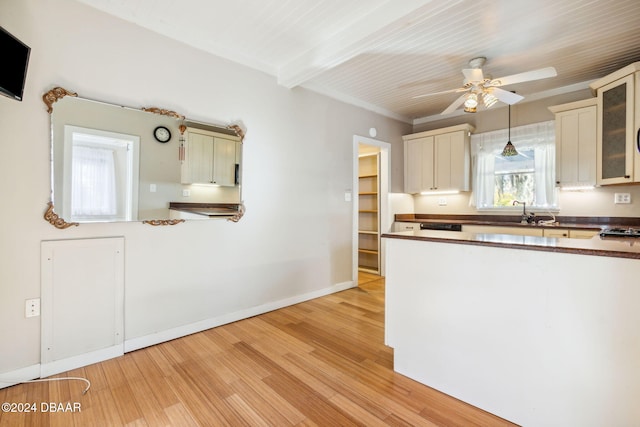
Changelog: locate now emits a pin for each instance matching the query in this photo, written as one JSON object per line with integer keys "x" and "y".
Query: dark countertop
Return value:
{"x": 618, "y": 247}
{"x": 584, "y": 223}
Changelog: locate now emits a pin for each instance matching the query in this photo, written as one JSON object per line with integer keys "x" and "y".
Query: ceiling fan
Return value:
{"x": 478, "y": 87}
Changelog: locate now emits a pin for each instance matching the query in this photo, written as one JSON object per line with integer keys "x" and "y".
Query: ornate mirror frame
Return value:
{"x": 231, "y": 211}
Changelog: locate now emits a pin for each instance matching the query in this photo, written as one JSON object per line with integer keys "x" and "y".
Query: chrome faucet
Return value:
{"x": 526, "y": 218}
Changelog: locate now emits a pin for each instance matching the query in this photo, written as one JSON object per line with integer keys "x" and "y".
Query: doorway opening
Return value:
{"x": 371, "y": 165}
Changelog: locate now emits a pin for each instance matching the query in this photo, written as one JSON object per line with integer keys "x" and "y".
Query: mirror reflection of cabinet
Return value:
{"x": 210, "y": 158}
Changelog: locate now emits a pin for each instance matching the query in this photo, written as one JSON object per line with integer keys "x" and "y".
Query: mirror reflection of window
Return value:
{"x": 100, "y": 175}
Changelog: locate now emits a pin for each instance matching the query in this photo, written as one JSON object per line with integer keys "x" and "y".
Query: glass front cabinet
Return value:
{"x": 618, "y": 139}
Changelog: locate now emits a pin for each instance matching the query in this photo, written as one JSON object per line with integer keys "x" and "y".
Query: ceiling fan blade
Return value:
{"x": 473, "y": 74}
{"x": 542, "y": 73}
{"x": 506, "y": 96}
{"x": 439, "y": 93}
{"x": 454, "y": 106}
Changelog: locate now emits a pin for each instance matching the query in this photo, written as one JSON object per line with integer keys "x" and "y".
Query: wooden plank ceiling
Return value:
{"x": 379, "y": 54}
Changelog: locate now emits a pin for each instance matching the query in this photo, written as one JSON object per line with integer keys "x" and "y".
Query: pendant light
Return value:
{"x": 509, "y": 149}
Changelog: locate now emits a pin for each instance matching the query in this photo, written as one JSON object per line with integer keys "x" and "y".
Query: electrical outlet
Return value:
{"x": 186, "y": 193}
{"x": 442, "y": 201}
{"x": 622, "y": 198}
{"x": 32, "y": 307}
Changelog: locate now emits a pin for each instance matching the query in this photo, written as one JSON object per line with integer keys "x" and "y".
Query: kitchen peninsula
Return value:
{"x": 540, "y": 331}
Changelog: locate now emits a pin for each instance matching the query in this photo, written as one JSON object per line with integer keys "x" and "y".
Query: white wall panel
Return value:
{"x": 82, "y": 302}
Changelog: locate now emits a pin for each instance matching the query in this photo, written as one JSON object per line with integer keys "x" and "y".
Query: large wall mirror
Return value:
{"x": 113, "y": 163}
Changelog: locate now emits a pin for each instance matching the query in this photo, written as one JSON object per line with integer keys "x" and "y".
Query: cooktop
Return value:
{"x": 621, "y": 232}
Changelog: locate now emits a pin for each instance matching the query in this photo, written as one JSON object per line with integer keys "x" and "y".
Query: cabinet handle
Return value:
{"x": 638, "y": 140}
{"x": 627, "y": 176}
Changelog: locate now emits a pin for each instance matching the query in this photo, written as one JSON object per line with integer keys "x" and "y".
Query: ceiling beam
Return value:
{"x": 358, "y": 38}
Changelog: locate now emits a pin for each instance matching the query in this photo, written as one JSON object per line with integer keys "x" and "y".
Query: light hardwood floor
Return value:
{"x": 318, "y": 363}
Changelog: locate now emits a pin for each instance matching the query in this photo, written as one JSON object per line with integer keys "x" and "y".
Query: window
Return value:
{"x": 100, "y": 176}
{"x": 528, "y": 177}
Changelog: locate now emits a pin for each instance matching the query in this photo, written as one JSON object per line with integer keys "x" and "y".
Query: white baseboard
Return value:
{"x": 170, "y": 334}
{"x": 7, "y": 379}
{"x": 63, "y": 365}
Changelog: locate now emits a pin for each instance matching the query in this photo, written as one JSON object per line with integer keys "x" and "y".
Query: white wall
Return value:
{"x": 295, "y": 238}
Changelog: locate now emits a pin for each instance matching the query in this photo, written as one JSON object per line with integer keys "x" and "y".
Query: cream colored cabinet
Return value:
{"x": 210, "y": 158}
{"x": 618, "y": 153}
{"x": 576, "y": 143}
{"x": 438, "y": 160}
{"x": 489, "y": 229}
{"x": 406, "y": 226}
{"x": 555, "y": 232}
{"x": 572, "y": 233}
{"x": 582, "y": 234}
{"x": 418, "y": 164}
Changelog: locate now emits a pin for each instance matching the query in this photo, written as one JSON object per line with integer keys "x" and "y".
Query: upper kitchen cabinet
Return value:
{"x": 210, "y": 158}
{"x": 437, "y": 160}
{"x": 576, "y": 143}
{"x": 618, "y": 142}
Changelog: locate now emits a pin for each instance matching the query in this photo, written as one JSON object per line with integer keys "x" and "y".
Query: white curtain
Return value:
{"x": 539, "y": 137}
{"x": 93, "y": 182}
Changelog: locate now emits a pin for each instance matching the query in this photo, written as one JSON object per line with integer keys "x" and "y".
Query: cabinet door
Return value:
{"x": 616, "y": 134}
{"x": 419, "y": 165}
{"x": 406, "y": 226}
{"x": 442, "y": 166}
{"x": 452, "y": 162}
{"x": 224, "y": 162}
{"x": 582, "y": 234}
{"x": 576, "y": 143}
{"x": 488, "y": 229}
{"x": 555, "y": 232}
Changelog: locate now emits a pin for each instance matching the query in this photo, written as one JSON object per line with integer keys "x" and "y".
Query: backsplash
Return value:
{"x": 596, "y": 202}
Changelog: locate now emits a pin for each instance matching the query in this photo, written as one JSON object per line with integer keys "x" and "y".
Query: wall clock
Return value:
{"x": 162, "y": 134}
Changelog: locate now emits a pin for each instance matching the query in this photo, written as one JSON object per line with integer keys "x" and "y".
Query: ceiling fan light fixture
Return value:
{"x": 471, "y": 101}
{"x": 489, "y": 99}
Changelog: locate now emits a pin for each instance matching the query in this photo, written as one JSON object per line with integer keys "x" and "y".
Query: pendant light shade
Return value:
{"x": 509, "y": 149}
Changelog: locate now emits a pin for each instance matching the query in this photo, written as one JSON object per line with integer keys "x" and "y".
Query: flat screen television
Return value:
{"x": 13, "y": 71}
